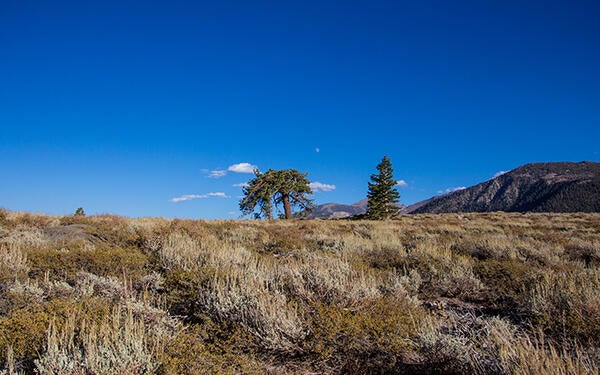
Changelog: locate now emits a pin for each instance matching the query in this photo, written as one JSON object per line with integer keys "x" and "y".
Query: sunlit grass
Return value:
{"x": 469, "y": 293}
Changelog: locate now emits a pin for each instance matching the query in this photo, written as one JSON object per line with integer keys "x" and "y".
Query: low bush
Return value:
{"x": 24, "y": 330}
{"x": 567, "y": 304}
{"x": 507, "y": 282}
{"x": 65, "y": 263}
{"x": 374, "y": 337}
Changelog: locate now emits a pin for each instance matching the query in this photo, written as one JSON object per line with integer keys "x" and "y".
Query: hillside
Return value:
{"x": 476, "y": 293}
{"x": 537, "y": 187}
{"x": 336, "y": 210}
{"x": 340, "y": 211}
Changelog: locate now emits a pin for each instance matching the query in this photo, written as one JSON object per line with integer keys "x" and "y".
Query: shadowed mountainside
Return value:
{"x": 537, "y": 187}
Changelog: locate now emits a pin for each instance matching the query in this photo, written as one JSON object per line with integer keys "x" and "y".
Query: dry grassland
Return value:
{"x": 490, "y": 293}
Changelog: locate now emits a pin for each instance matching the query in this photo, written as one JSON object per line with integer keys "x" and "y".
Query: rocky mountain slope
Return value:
{"x": 537, "y": 187}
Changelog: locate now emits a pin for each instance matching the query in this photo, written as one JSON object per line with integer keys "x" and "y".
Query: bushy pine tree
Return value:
{"x": 382, "y": 196}
{"x": 287, "y": 187}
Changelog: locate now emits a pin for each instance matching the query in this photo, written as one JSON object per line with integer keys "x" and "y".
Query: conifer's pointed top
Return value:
{"x": 382, "y": 196}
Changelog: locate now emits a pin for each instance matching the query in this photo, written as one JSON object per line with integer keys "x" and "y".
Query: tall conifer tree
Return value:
{"x": 382, "y": 196}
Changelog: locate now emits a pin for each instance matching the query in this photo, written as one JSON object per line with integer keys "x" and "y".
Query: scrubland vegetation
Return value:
{"x": 474, "y": 293}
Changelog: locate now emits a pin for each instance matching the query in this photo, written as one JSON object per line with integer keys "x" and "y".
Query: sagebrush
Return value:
{"x": 471, "y": 293}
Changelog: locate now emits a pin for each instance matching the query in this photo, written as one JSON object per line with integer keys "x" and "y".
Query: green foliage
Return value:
{"x": 383, "y": 196}
{"x": 286, "y": 187}
{"x": 80, "y": 212}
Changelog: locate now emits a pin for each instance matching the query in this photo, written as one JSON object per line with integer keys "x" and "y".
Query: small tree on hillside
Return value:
{"x": 287, "y": 187}
{"x": 382, "y": 196}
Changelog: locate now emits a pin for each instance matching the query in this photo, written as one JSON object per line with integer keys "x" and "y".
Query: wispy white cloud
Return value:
{"x": 217, "y": 173}
{"x": 317, "y": 186}
{"x": 402, "y": 183}
{"x": 188, "y": 197}
{"x": 242, "y": 168}
{"x": 451, "y": 190}
{"x": 241, "y": 184}
{"x": 500, "y": 173}
{"x": 218, "y": 194}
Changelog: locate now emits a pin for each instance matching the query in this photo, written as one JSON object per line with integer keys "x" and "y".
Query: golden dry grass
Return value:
{"x": 471, "y": 293}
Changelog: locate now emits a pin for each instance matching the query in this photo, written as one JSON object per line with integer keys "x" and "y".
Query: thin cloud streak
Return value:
{"x": 217, "y": 173}
{"x": 188, "y": 197}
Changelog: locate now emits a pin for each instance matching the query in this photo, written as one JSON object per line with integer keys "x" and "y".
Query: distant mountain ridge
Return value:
{"x": 535, "y": 187}
{"x": 338, "y": 211}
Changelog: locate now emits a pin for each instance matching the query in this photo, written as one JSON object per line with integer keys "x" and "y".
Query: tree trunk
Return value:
{"x": 286, "y": 205}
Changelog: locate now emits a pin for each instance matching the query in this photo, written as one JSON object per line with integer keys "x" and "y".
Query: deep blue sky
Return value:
{"x": 121, "y": 106}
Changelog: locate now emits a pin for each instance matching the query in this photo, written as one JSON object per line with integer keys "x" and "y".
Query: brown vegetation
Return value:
{"x": 474, "y": 293}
